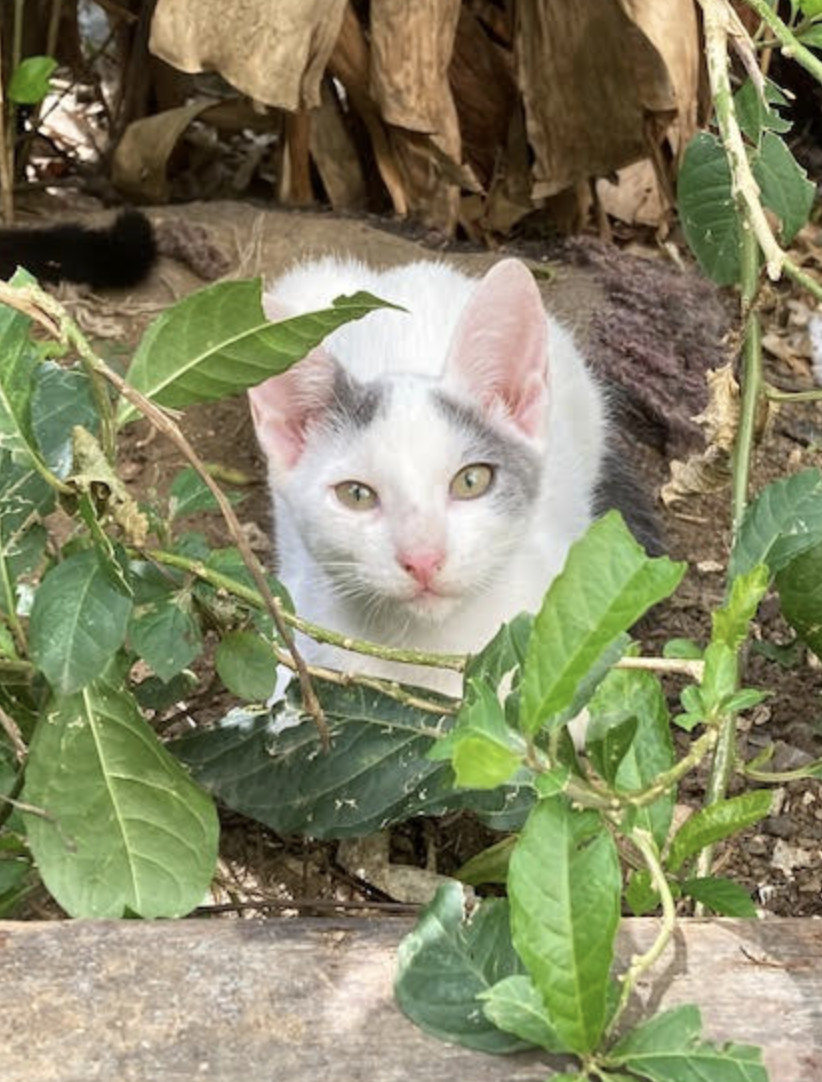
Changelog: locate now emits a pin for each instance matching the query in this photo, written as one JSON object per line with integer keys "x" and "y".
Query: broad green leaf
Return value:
{"x": 707, "y": 211}
{"x": 784, "y": 185}
{"x": 723, "y": 896}
{"x": 486, "y": 751}
{"x": 24, "y": 498}
{"x": 189, "y": 494}
{"x": 165, "y": 633}
{"x": 500, "y": 662}
{"x": 156, "y": 694}
{"x": 61, "y": 398}
{"x": 783, "y": 521}
{"x": 515, "y": 1006}
{"x": 608, "y": 748}
{"x": 812, "y": 38}
{"x": 668, "y": 1049}
{"x": 245, "y": 664}
{"x": 125, "y": 829}
{"x": 78, "y": 622}
{"x": 626, "y": 694}
{"x": 447, "y": 961}
{"x": 607, "y": 583}
{"x": 800, "y": 593}
{"x": 640, "y": 893}
{"x": 730, "y": 623}
{"x": 29, "y": 81}
{"x": 564, "y": 887}
{"x": 217, "y": 342}
{"x": 715, "y": 822}
{"x": 489, "y": 866}
{"x": 810, "y": 8}
{"x": 376, "y": 771}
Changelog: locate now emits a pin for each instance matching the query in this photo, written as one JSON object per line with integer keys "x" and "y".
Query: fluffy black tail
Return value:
{"x": 112, "y": 258}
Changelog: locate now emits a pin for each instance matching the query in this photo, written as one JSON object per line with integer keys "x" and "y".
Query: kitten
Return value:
{"x": 429, "y": 468}
{"x": 117, "y": 257}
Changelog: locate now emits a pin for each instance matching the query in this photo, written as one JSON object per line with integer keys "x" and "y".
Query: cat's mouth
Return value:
{"x": 430, "y": 603}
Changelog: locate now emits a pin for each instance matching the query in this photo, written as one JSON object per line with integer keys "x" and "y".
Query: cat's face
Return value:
{"x": 409, "y": 499}
{"x": 410, "y": 493}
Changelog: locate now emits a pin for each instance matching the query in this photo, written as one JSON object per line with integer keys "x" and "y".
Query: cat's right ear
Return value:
{"x": 284, "y": 407}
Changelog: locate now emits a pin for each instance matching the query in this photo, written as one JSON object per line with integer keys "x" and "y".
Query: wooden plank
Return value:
{"x": 253, "y": 1001}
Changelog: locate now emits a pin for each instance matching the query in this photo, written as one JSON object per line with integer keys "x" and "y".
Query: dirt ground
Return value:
{"x": 781, "y": 861}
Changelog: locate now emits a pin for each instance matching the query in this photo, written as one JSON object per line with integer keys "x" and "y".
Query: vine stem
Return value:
{"x": 790, "y": 46}
{"x": 644, "y": 842}
{"x": 775, "y": 395}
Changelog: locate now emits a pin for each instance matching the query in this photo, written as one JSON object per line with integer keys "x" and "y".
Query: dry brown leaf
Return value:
{"x": 335, "y": 155}
{"x": 586, "y": 118}
{"x": 141, "y": 157}
{"x": 274, "y": 52}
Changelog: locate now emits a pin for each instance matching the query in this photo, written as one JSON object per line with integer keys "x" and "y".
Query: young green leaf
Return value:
{"x": 723, "y": 896}
{"x": 755, "y": 115}
{"x": 30, "y": 80}
{"x": 607, "y": 583}
{"x": 630, "y": 694}
{"x": 165, "y": 633}
{"x": 668, "y": 1048}
{"x": 640, "y": 893}
{"x": 245, "y": 664}
{"x": 718, "y": 679}
{"x": 730, "y": 623}
{"x": 125, "y": 829}
{"x": 78, "y": 622}
{"x": 564, "y": 885}
{"x": 189, "y": 493}
{"x": 715, "y": 822}
{"x": 20, "y": 360}
{"x": 783, "y": 521}
{"x": 707, "y": 211}
{"x": 447, "y": 961}
{"x": 514, "y": 1005}
{"x": 486, "y": 752}
{"x": 217, "y": 342}
{"x": 489, "y": 866}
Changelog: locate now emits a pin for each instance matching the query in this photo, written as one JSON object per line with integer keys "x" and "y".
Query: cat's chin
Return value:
{"x": 430, "y": 608}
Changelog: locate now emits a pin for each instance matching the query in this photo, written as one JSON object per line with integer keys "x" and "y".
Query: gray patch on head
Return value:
{"x": 354, "y": 404}
{"x": 519, "y": 469}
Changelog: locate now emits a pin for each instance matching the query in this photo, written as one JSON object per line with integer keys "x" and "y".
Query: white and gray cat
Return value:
{"x": 429, "y": 467}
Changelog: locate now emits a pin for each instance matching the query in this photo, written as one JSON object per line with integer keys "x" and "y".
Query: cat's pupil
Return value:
{"x": 472, "y": 481}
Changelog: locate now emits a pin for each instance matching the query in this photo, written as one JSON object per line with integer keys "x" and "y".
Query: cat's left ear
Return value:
{"x": 499, "y": 351}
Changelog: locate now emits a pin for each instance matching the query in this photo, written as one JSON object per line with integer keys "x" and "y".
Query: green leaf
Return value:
{"x": 783, "y": 521}
{"x": 718, "y": 680}
{"x": 78, "y": 622}
{"x": 24, "y": 498}
{"x": 245, "y": 664}
{"x": 715, "y": 822}
{"x": 640, "y": 893}
{"x": 564, "y": 886}
{"x": 447, "y": 961}
{"x": 125, "y": 829}
{"x": 607, "y": 583}
{"x": 30, "y": 80}
{"x": 800, "y": 593}
{"x": 755, "y": 115}
{"x": 609, "y": 747}
{"x": 784, "y": 185}
{"x": 61, "y": 398}
{"x": 628, "y": 693}
{"x": 165, "y": 633}
{"x": 730, "y": 623}
{"x": 217, "y": 342}
{"x": 667, "y": 1048}
{"x": 810, "y": 8}
{"x": 155, "y": 694}
{"x": 812, "y": 38}
{"x": 682, "y": 648}
{"x": 723, "y": 896}
{"x": 189, "y": 494}
{"x": 376, "y": 771}
{"x": 515, "y": 1006}
{"x": 707, "y": 211}
{"x": 486, "y": 751}
{"x": 489, "y": 866}
{"x": 20, "y": 360}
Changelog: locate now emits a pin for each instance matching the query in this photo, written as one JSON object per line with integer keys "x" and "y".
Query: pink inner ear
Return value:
{"x": 499, "y": 351}
{"x": 283, "y": 407}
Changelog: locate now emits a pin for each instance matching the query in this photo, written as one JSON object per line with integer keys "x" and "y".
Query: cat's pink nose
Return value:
{"x": 423, "y": 564}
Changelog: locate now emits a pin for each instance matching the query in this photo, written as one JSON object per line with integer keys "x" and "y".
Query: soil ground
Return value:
{"x": 781, "y": 860}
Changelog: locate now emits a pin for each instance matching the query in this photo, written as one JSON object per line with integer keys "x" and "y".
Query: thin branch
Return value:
{"x": 776, "y": 395}
{"x": 790, "y": 46}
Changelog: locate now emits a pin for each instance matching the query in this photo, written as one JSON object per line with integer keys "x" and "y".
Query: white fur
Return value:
{"x": 495, "y": 568}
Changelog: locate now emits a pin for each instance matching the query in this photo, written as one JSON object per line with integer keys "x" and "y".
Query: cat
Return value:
{"x": 117, "y": 257}
{"x": 431, "y": 467}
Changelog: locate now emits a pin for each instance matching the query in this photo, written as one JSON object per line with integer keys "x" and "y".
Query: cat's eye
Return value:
{"x": 472, "y": 481}
{"x": 356, "y": 496}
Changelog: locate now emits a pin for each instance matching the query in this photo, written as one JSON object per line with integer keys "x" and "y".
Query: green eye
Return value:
{"x": 356, "y": 496}
{"x": 472, "y": 481}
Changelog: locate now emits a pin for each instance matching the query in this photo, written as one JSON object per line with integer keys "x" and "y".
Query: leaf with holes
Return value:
{"x": 124, "y": 828}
